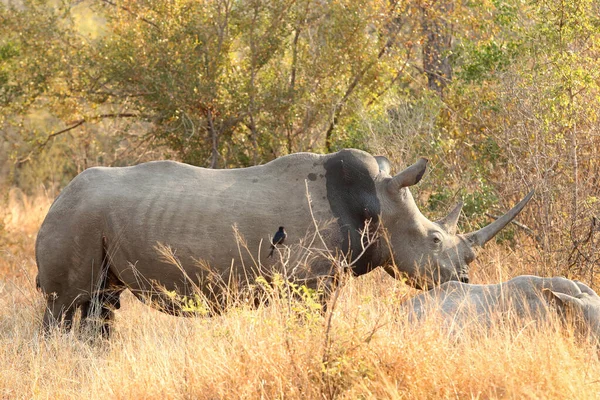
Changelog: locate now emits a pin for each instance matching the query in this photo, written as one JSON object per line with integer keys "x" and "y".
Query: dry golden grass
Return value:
{"x": 273, "y": 352}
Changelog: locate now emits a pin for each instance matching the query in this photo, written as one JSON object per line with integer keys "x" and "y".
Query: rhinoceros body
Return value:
{"x": 522, "y": 299}
{"x": 102, "y": 234}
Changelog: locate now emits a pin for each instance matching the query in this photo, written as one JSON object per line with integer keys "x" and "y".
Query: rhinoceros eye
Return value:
{"x": 437, "y": 240}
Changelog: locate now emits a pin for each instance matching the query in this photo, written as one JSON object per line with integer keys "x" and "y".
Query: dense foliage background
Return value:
{"x": 502, "y": 96}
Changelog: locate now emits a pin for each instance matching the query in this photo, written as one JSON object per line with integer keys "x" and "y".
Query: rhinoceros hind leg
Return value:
{"x": 59, "y": 312}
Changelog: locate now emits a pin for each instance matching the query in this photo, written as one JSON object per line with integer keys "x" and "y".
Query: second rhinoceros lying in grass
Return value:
{"x": 524, "y": 298}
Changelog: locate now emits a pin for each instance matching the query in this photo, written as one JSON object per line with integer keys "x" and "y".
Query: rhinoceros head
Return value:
{"x": 426, "y": 252}
{"x": 583, "y": 308}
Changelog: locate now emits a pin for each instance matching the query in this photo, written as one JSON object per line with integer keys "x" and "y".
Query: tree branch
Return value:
{"x": 74, "y": 124}
{"x": 214, "y": 157}
{"x": 527, "y": 229}
{"x": 357, "y": 78}
{"x": 393, "y": 81}
{"x": 132, "y": 13}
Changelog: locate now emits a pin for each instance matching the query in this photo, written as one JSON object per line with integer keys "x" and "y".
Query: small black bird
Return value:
{"x": 279, "y": 238}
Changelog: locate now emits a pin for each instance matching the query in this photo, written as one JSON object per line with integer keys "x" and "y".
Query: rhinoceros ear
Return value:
{"x": 450, "y": 221}
{"x": 410, "y": 176}
{"x": 384, "y": 164}
{"x": 563, "y": 302}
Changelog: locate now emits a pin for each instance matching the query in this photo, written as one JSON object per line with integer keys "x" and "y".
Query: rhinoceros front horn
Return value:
{"x": 410, "y": 176}
{"x": 482, "y": 236}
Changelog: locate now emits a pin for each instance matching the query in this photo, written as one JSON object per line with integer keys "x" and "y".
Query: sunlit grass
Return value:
{"x": 362, "y": 348}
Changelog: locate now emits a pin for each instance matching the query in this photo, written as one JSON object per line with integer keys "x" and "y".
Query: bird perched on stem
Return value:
{"x": 278, "y": 238}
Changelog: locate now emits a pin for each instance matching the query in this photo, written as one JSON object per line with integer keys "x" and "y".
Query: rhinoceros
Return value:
{"x": 522, "y": 299}
{"x": 102, "y": 232}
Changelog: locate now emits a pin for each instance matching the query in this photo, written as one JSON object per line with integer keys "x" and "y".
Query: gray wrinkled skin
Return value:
{"x": 100, "y": 235}
{"x": 525, "y": 298}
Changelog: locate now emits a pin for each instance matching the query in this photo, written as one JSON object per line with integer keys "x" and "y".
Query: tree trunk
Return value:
{"x": 437, "y": 44}
{"x": 214, "y": 157}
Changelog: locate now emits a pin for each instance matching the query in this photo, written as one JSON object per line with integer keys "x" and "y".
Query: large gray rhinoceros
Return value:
{"x": 101, "y": 235}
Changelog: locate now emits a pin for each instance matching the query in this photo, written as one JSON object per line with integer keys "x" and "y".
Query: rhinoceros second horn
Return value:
{"x": 450, "y": 221}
